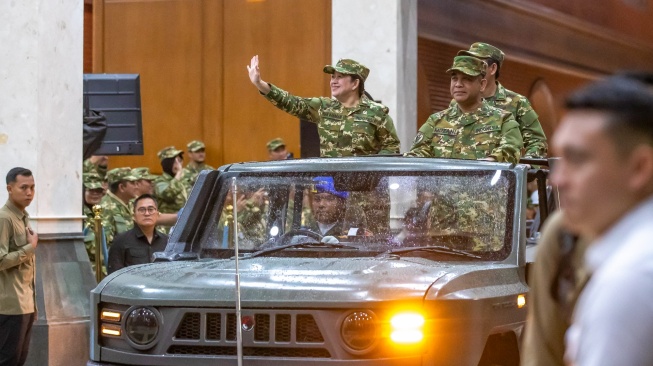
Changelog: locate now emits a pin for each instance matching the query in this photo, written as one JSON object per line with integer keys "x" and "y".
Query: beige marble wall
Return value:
{"x": 41, "y": 105}
{"x": 382, "y": 35}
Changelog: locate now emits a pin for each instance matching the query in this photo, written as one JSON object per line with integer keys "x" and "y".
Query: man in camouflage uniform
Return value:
{"x": 97, "y": 164}
{"x": 252, "y": 215}
{"x": 277, "y": 150}
{"x": 93, "y": 193}
{"x": 496, "y": 95}
{"x": 197, "y": 154}
{"x": 471, "y": 129}
{"x": 169, "y": 188}
{"x": 116, "y": 210}
{"x": 477, "y": 218}
{"x": 348, "y": 123}
{"x": 145, "y": 182}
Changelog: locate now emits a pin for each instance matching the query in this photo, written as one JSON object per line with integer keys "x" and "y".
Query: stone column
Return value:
{"x": 41, "y": 129}
{"x": 382, "y": 35}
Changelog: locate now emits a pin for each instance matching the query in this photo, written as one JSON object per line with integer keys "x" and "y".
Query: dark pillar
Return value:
{"x": 64, "y": 277}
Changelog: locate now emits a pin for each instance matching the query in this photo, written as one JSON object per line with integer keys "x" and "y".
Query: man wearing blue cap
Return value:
{"x": 329, "y": 210}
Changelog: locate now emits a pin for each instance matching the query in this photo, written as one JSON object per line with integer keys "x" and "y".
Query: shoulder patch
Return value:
{"x": 418, "y": 138}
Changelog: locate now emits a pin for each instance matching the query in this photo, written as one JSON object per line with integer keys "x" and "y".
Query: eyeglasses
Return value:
{"x": 143, "y": 210}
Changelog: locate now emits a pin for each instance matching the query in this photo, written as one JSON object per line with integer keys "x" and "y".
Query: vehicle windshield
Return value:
{"x": 366, "y": 213}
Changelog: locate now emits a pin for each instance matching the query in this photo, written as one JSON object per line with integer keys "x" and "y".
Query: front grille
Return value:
{"x": 276, "y": 333}
{"x": 250, "y": 351}
{"x": 302, "y": 326}
{"x": 213, "y": 326}
{"x": 307, "y": 330}
{"x": 262, "y": 328}
{"x": 189, "y": 327}
{"x": 282, "y": 331}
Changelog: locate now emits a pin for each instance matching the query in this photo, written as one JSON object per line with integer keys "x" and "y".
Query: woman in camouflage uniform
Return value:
{"x": 170, "y": 189}
{"x": 348, "y": 123}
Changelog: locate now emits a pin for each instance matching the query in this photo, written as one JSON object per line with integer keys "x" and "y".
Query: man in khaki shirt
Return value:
{"x": 556, "y": 279}
{"x": 17, "y": 252}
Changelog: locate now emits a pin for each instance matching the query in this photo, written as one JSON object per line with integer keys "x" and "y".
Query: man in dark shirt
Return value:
{"x": 136, "y": 246}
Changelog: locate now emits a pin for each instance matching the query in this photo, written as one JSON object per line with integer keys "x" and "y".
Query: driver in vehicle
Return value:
{"x": 330, "y": 212}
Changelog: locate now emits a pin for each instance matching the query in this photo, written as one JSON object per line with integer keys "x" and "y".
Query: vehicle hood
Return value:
{"x": 268, "y": 280}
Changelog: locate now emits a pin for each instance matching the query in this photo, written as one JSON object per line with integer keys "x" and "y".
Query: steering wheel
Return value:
{"x": 285, "y": 238}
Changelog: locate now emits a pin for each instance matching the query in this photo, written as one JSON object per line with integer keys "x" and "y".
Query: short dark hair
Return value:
{"x": 113, "y": 187}
{"x": 628, "y": 104}
{"x": 144, "y": 196}
{"x": 167, "y": 164}
{"x": 15, "y": 172}
{"x": 490, "y": 61}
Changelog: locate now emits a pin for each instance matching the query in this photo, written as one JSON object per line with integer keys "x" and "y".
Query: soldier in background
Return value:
{"x": 98, "y": 164}
{"x": 116, "y": 211}
{"x": 145, "y": 182}
{"x": 471, "y": 129}
{"x": 93, "y": 193}
{"x": 348, "y": 123}
{"x": 497, "y": 96}
{"x": 170, "y": 189}
{"x": 277, "y": 150}
{"x": 197, "y": 155}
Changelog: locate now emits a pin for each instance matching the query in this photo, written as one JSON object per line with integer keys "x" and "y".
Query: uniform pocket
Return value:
{"x": 486, "y": 139}
{"x": 442, "y": 145}
{"x": 20, "y": 237}
{"x": 483, "y": 150}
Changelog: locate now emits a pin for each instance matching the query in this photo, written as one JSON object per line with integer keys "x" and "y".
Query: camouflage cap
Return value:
{"x": 120, "y": 174}
{"x": 484, "y": 50}
{"x": 469, "y": 65}
{"x": 349, "y": 67}
{"x": 275, "y": 144}
{"x": 143, "y": 173}
{"x": 195, "y": 145}
{"x": 168, "y": 152}
{"x": 92, "y": 180}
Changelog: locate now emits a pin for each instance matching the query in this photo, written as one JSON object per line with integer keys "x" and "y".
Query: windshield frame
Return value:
{"x": 216, "y": 185}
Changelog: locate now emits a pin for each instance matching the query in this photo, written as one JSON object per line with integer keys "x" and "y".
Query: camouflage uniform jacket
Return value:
{"x": 116, "y": 216}
{"x": 487, "y": 132}
{"x": 171, "y": 193}
{"x": 89, "y": 237}
{"x": 529, "y": 125}
{"x": 251, "y": 226}
{"x": 190, "y": 174}
{"x": 362, "y": 130}
{"x": 479, "y": 218}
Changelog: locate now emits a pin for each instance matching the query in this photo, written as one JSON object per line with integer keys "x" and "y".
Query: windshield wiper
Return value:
{"x": 432, "y": 248}
{"x": 299, "y": 245}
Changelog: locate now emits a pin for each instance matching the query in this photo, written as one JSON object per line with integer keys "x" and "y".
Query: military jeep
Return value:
{"x": 424, "y": 265}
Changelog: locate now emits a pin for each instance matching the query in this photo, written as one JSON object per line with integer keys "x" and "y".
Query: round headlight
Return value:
{"x": 360, "y": 331}
{"x": 142, "y": 326}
